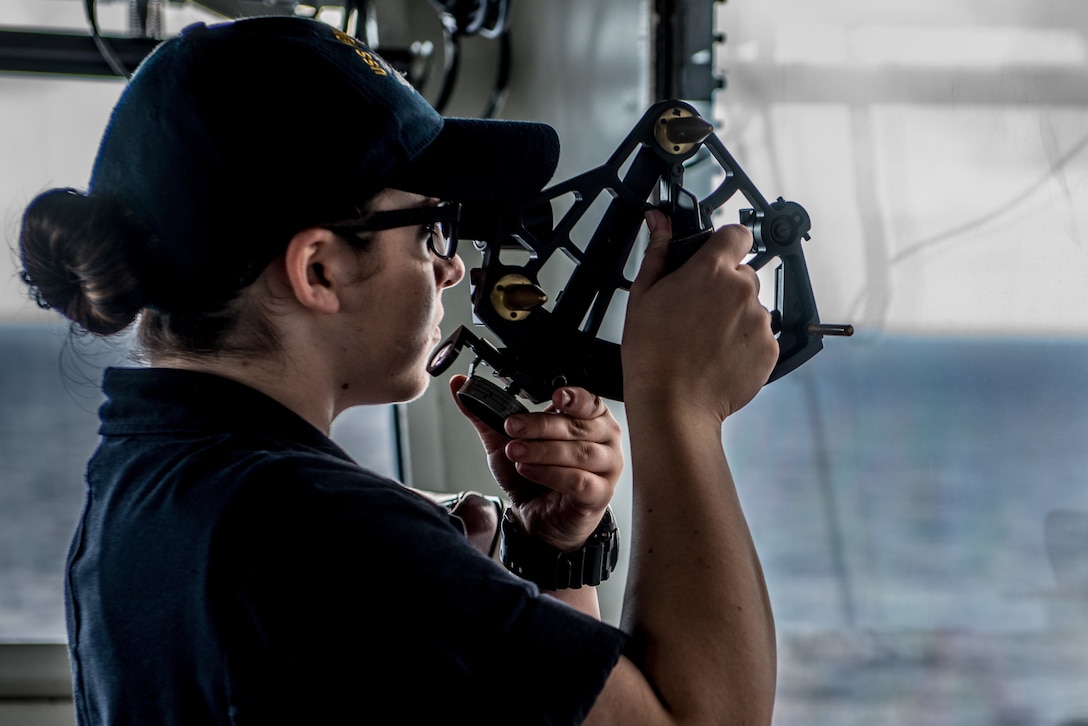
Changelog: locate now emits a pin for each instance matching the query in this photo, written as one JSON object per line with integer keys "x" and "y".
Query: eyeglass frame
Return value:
{"x": 443, "y": 213}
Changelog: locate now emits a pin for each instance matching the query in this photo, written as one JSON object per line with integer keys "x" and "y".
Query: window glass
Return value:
{"x": 918, "y": 492}
{"x": 49, "y": 383}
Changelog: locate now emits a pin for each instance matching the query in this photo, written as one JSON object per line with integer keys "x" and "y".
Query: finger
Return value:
{"x": 653, "y": 264}
{"x": 589, "y": 456}
{"x": 660, "y": 228}
{"x": 583, "y": 487}
{"x": 732, "y": 243}
{"x": 578, "y": 402}
{"x": 737, "y": 241}
{"x": 456, "y": 381}
{"x": 559, "y": 426}
{"x": 490, "y": 437}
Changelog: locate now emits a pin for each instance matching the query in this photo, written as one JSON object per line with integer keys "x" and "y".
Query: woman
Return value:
{"x": 232, "y": 564}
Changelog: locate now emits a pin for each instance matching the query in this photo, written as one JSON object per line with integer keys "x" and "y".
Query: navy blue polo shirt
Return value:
{"x": 234, "y": 566}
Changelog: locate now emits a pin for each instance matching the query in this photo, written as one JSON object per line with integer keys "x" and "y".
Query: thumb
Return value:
{"x": 653, "y": 264}
{"x": 491, "y": 438}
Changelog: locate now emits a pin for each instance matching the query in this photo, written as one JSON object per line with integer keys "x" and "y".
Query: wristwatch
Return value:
{"x": 553, "y": 569}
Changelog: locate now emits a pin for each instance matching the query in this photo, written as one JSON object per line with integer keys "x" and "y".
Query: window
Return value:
{"x": 48, "y": 429}
{"x": 49, "y": 383}
{"x": 918, "y": 492}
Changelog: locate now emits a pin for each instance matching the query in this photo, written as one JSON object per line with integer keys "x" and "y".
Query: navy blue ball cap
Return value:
{"x": 232, "y": 137}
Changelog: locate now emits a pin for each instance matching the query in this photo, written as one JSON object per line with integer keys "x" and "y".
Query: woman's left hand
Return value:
{"x": 559, "y": 466}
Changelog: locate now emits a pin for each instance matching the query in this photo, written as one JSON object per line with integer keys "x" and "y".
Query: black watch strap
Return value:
{"x": 553, "y": 569}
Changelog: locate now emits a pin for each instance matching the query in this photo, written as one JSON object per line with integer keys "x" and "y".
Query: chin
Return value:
{"x": 412, "y": 389}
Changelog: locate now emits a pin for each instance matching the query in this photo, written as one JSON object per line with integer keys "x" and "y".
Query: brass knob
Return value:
{"x": 515, "y": 296}
{"x": 678, "y": 130}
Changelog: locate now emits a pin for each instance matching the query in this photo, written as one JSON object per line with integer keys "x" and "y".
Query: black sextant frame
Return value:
{"x": 543, "y": 349}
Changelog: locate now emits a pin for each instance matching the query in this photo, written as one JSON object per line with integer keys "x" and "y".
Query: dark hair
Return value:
{"x": 83, "y": 256}
{"x": 86, "y": 257}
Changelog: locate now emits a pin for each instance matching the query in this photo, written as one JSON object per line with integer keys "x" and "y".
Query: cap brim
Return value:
{"x": 483, "y": 160}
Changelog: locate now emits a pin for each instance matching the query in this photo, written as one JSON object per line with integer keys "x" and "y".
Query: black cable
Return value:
{"x": 1007, "y": 207}
{"x": 452, "y": 47}
{"x": 345, "y": 23}
{"x": 462, "y": 17}
{"x": 486, "y": 18}
{"x": 111, "y": 58}
{"x": 496, "y": 19}
{"x": 502, "y": 78}
{"x": 361, "y": 12}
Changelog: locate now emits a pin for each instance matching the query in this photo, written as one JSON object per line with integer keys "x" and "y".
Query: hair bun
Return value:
{"x": 83, "y": 256}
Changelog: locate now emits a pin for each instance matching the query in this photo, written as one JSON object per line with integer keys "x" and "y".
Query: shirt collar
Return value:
{"x": 171, "y": 400}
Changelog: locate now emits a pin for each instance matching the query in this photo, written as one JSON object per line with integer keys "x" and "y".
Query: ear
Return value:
{"x": 314, "y": 261}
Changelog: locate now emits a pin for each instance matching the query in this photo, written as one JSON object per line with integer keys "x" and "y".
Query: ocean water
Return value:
{"x": 918, "y": 477}
{"x": 49, "y": 398}
{"x": 920, "y": 506}
{"x": 921, "y": 510}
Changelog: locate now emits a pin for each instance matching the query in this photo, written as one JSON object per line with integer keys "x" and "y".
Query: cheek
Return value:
{"x": 415, "y": 305}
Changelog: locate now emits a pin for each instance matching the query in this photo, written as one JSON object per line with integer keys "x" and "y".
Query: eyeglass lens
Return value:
{"x": 443, "y": 240}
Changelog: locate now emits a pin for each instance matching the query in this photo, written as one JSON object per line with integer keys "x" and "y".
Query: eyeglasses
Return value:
{"x": 441, "y": 221}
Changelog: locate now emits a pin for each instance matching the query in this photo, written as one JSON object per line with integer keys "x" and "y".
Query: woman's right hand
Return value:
{"x": 698, "y": 335}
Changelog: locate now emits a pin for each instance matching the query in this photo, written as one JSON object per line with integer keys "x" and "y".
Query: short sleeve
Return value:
{"x": 354, "y": 594}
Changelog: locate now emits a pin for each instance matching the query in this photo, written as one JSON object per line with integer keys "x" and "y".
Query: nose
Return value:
{"x": 448, "y": 273}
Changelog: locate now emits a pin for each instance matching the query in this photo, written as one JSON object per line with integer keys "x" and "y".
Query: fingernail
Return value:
{"x": 515, "y": 450}
{"x": 566, "y": 398}
{"x": 653, "y": 220}
{"x": 515, "y": 426}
